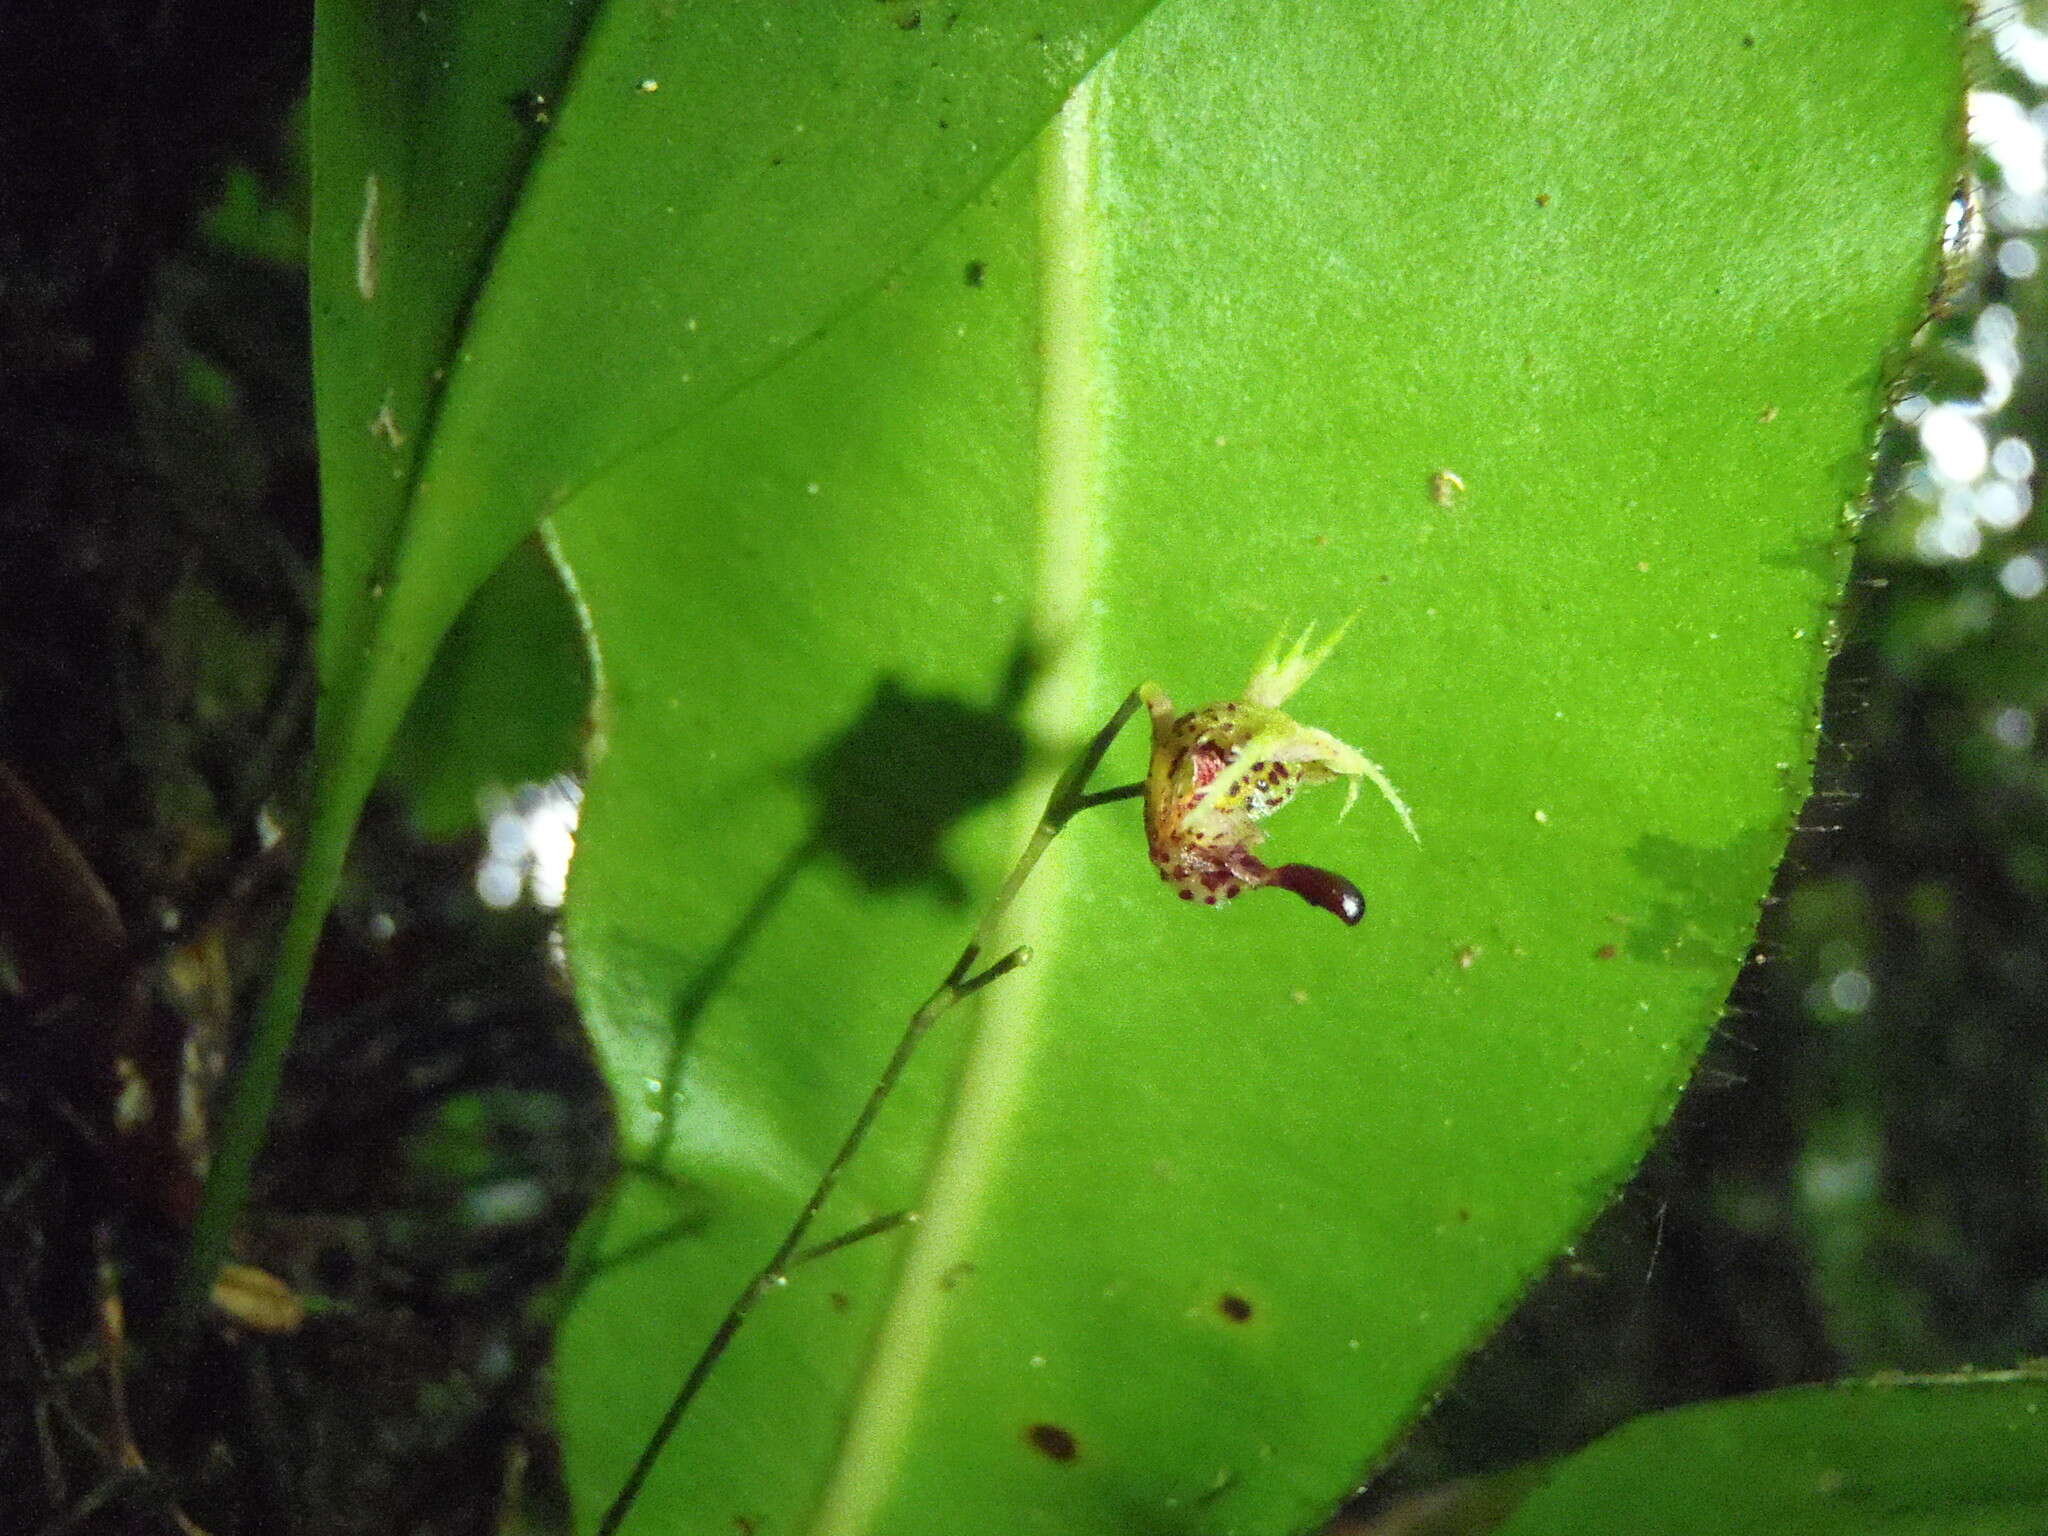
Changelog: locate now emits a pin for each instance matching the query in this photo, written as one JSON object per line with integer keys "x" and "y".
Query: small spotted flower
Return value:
{"x": 1219, "y": 771}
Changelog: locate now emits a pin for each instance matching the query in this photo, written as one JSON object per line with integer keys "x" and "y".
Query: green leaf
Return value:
{"x": 1213, "y": 1200}
{"x": 545, "y": 235}
{"x": 1944, "y": 1456}
{"x": 504, "y": 703}
{"x": 547, "y": 232}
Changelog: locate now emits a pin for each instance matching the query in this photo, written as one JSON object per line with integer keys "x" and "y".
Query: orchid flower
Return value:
{"x": 1218, "y": 771}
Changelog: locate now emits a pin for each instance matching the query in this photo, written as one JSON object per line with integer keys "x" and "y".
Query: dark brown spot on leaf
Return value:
{"x": 1050, "y": 1441}
{"x": 1234, "y": 1307}
{"x": 955, "y": 1273}
{"x": 1605, "y": 952}
{"x": 976, "y": 272}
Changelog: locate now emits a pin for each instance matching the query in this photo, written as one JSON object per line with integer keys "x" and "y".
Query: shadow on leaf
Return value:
{"x": 886, "y": 793}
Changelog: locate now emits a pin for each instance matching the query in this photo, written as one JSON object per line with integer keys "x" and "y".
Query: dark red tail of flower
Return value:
{"x": 1323, "y": 888}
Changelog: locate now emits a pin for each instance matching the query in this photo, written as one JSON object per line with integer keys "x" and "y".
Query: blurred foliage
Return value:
{"x": 1913, "y": 944}
{"x": 157, "y": 566}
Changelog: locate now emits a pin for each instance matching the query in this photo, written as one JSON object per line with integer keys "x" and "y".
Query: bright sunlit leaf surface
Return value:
{"x": 1957, "y": 1456}
{"x": 1211, "y": 1201}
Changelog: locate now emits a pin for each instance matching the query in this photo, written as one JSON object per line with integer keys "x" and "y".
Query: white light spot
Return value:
{"x": 506, "y": 837}
{"x": 1996, "y": 325}
{"x": 529, "y": 838}
{"x": 2013, "y": 727}
{"x": 1947, "y": 538}
{"x": 2023, "y": 576}
{"x": 2002, "y": 505}
{"x": 2013, "y": 459}
{"x": 2010, "y": 136}
{"x": 2020, "y": 45}
{"x": 497, "y": 885}
{"x": 2018, "y": 260}
{"x": 1955, "y": 446}
{"x": 1996, "y": 350}
{"x": 649, "y": 86}
{"x": 1850, "y": 991}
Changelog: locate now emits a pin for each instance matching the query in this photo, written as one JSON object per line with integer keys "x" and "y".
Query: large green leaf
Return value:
{"x": 1212, "y": 1200}
{"x": 547, "y": 232}
{"x": 1950, "y": 1456}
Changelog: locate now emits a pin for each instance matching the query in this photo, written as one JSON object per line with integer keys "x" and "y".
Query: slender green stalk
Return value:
{"x": 859, "y": 1234}
{"x": 1068, "y": 799}
{"x": 247, "y": 1117}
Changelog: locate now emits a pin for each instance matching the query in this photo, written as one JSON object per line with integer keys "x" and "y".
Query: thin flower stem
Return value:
{"x": 1110, "y": 796}
{"x": 859, "y": 1234}
{"x": 1069, "y": 797}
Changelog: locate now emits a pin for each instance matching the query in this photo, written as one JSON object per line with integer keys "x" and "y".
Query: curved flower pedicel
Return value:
{"x": 1218, "y": 771}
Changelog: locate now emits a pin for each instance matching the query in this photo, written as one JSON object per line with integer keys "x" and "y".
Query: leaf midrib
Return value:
{"x": 975, "y": 1136}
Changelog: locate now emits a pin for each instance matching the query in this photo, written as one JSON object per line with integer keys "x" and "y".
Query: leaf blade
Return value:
{"x": 1224, "y": 1260}
{"x": 1931, "y": 1456}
